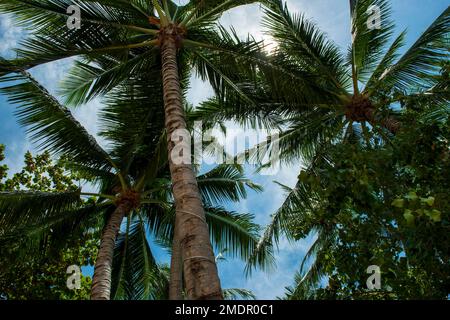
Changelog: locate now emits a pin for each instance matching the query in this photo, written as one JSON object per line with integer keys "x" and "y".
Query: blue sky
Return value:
{"x": 331, "y": 15}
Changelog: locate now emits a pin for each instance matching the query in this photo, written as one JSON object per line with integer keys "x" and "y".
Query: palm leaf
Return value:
{"x": 33, "y": 207}
{"x": 422, "y": 61}
{"x": 225, "y": 183}
{"x": 236, "y": 294}
{"x": 135, "y": 272}
{"x": 369, "y": 41}
{"x": 303, "y": 42}
{"x": 51, "y": 124}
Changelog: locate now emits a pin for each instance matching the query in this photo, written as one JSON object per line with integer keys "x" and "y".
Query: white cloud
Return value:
{"x": 10, "y": 35}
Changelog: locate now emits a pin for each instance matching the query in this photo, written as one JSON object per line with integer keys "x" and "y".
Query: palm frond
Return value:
{"x": 85, "y": 81}
{"x": 225, "y": 183}
{"x": 133, "y": 120}
{"x": 238, "y": 234}
{"x": 136, "y": 274}
{"x": 200, "y": 12}
{"x": 106, "y": 26}
{"x": 418, "y": 66}
{"x": 305, "y": 284}
{"x": 51, "y": 124}
{"x": 307, "y": 47}
{"x": 298, "y": 205}
{"x": 388, "y": 61}
{"x": 238, "y": 294}
{"x": 372, "y": 28}
{"x": 33, "y": 208}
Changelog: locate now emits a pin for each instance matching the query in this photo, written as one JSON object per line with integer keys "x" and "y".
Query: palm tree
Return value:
{"x": 139, "y": 39}
{"x": 318, "y": 96}
{"x": 336, "y": 93}
{"x": 131, "y": 185}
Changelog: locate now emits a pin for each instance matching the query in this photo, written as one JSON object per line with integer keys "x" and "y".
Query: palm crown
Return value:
{"x": 318, "y": 95}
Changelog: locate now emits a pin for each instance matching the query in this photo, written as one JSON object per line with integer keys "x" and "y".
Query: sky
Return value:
{"x": 332, "y": 16}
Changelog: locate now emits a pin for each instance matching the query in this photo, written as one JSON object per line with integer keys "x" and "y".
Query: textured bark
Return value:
{"x": 101, "y": 282}
{"x": 200, "y": 270}
{"x": 176, "y": 269}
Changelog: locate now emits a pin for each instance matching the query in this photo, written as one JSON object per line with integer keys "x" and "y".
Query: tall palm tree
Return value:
{"x": 131, "y": 184}
{"x": 318, "y": 96}
{"x": 134, "y": 39}
{"x": 336, "y": 92}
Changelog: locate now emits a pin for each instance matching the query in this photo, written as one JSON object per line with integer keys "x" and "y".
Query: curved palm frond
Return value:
{"x": 199, "y": 12}
{"x": 372, "y": 28}
{"x": 387, "y": 61}
{"x": 51, "y": 124}
{"x": 236, "y": 233}
{"x": 281, "y": 222}
{"x": 421, "y": 62}
{"x": 136, "y": 275}
{"x": 225, "y": 183}
{"x": 25, "y": 237}
{"x": 105, "y": 28}
{"x": 307, "y": 47}
{"x": 33, "y": 207}
{"x": 86, "y": 81}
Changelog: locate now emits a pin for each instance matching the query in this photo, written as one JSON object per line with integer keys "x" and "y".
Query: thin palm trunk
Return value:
{"x": 176, "y": 269}
{"x": 101, "y": 282}
{"x": 200, "y": 270}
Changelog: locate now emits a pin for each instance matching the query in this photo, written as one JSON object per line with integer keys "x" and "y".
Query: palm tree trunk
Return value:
{"x": 176, "y": 269}
{"x": 101, "y": 282}
{"x": 200, "y": 270}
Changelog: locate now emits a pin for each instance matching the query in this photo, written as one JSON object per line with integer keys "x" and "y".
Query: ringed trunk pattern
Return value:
{"x": 199, "y": 266}
{"x": 101, "y": 282}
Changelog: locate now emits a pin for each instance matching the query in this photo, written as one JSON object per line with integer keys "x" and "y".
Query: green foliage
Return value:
{"x": 41, "y": 274}
{"x": 39, "y": 174}
{"x": 385, "y": 205}
{"x": 50, "y": 124}
{"x": 136, "y": 273}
